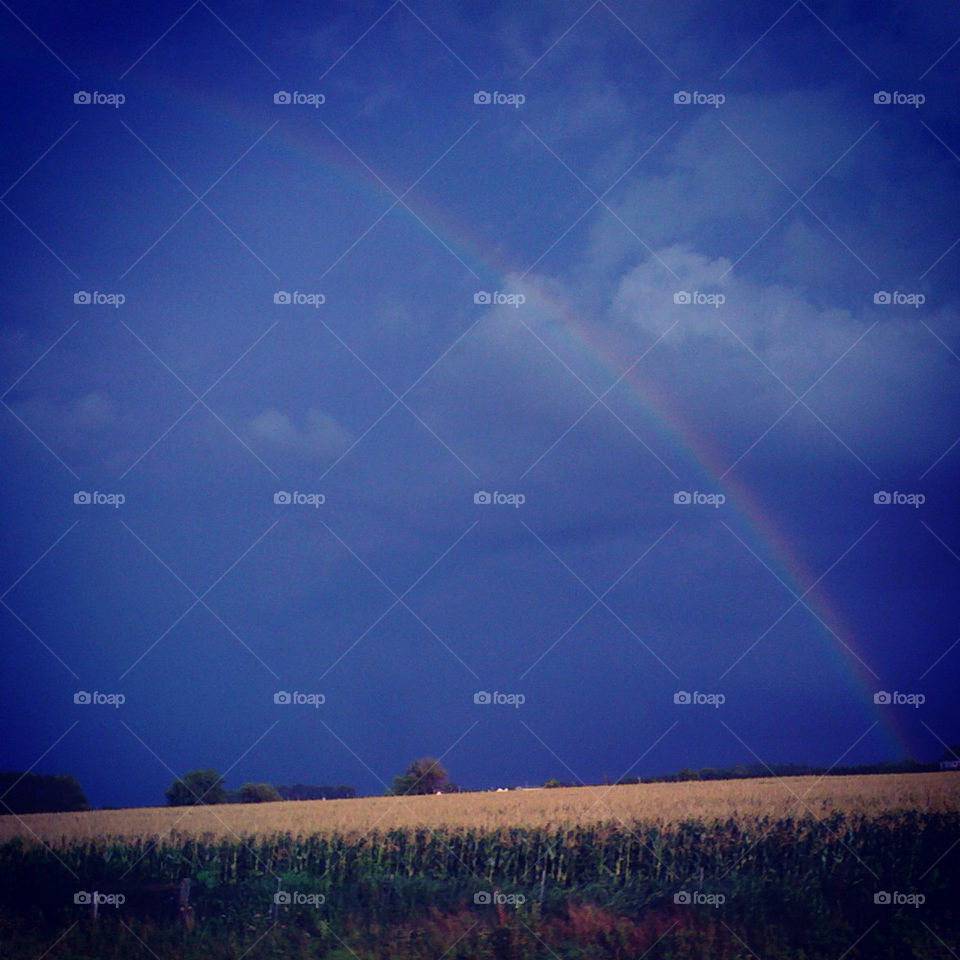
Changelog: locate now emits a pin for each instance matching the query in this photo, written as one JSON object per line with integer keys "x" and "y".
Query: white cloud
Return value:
{"x": 320, "y": 437}
{"x": 74, "y": 422}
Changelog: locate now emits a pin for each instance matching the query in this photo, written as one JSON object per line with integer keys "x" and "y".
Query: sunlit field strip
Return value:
{"x": 661, "y": 803}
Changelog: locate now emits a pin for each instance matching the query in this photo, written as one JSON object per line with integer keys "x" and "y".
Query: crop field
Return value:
{"x": 657, "y": 803}
{"x": 859, "y": 867}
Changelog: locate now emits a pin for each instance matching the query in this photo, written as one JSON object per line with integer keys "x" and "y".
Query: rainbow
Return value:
{"x": 767, "y": 540}
{"x": 778, "y": 553}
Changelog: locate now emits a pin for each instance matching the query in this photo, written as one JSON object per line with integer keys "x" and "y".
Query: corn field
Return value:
{"x": 600, "y": 888}
{"x": 664, "y": 803}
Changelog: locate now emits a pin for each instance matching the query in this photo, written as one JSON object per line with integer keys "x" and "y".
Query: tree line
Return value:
{"x": 22, "y": 793}
{"x": 751, "y": 770}
{"x": 204, "y": 786}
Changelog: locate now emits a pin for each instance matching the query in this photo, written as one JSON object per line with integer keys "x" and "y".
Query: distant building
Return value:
{"x": 950, "y": 764}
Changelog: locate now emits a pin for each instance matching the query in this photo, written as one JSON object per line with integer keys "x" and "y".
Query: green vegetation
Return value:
{"x": 196, "y": 787}
{"x": 789, "y": 888}
{"x": 310, "y": 791}
{"x": 207, "y": 786}
{"x": 257, "y": 793}
{"x": 39, "y": 793}
{"x": 422, "y": 776}
{"x": 745, "y": 771}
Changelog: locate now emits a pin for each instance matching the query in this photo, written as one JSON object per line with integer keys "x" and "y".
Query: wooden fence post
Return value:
{"x": 186, "y": 911}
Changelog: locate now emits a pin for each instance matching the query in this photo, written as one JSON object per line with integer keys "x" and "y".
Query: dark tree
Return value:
{"x": 196, "y": 787}
{"x": 309, "y": 791}
{"x": 422, "y": 776}
{"x": 39, "y": 793}
{"x": 257, "y": 793}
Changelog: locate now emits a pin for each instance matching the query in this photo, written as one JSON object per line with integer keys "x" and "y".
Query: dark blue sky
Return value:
{"x": 632, "y": 157}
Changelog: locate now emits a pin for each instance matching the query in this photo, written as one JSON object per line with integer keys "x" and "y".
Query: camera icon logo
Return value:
{"x": 481, "y": 96}
{"x": 81, "y": 496}
{"x": 282, "y": 697}
{"x": 681, "y": 96}
{"x": 81, "y": 96}
{"x": 481, "y": 696}
{"x": 281, "y": 96}
{"x": 281, "y": 496}
{"x": 482, "y": 898}
{"x": 682, "y": 496}
{"x": 881, "y": 896}
{"x": 681, "y": 896}
{"x": 881, "y": 696}
{"x": 482, "y": 297}
{"x": 881, "y": 96}
{"x": 281, "y": 897}
{"x": 682, "y": 696}
{"x": 681, "y": 297}
{"x": 281, "y": 296}
{"x": 881, "y": 496}
{"x": 83, "y": 898}
{"x": 481, "y": 496}
{"x": 881, "y": 296}
{"x": 81, "y": 696}
{"x": 81, "y": 296}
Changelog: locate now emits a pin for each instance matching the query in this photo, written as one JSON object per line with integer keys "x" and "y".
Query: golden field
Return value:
{"x": 662, "y": 803}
